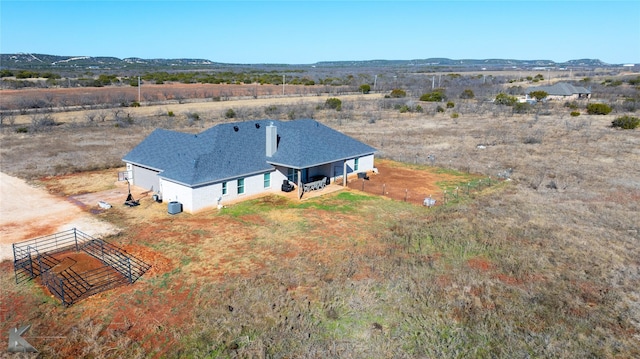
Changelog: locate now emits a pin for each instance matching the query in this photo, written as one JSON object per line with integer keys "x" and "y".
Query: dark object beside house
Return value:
{"x": 363, "y": 175}
{"x": 130, "y": 201}
{"x": 287, "y": 186}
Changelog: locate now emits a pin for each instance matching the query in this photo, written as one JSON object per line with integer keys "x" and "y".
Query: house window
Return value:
{"x": 355, "y": 164}
{"x": 224, "y": 188}
{"x": 292, "y": 175}
{"x": 240, "y": 185}
{"x": 267, "y": 180}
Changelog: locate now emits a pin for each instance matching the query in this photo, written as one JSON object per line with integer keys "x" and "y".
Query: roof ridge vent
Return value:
{"x": 236, "y": 128}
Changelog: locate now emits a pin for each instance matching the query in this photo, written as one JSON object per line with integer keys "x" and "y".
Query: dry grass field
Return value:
{"x": 544, "y": 264}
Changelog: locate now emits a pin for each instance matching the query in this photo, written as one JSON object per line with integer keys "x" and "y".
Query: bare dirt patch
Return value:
{"x": 28, "y": 212}
{"x": 403, "y": 183}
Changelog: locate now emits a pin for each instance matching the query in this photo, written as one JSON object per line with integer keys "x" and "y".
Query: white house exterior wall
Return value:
{"x": 206, "y": 196}
{"x": 277, "y": 176}
{"x": 172, "y": 191}
{"x": 145, "y": 178}
{"x": 365, "y": 164}
{"x": 252, "y": 185}
{"x": 563, "y": 98}
{"x": 199, "y": 198}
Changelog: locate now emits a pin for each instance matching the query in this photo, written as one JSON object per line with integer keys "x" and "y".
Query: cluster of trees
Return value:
{"x": 26, "y": 74}
{"x": 248, "y": 77}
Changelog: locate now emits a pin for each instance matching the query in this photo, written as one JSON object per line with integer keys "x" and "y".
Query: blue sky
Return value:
{"x": 303, "y": 32}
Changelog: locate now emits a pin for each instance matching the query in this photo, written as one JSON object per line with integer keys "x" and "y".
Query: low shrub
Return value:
{"x": 450, "y": 104}
{"x": 435, "y": 96}
{"x": 521, "y": 107}
{"x": 271, "y": 110}
{"x": 407, "y": 108}
{"x": 504, "y": 99}
{"x": 575, "y": 113}
{"x": 398, "y": 93}
{"x": 626, "y": 122}
{"x": 630, "y": 104}
{"x": 531, "y": 140}
{"x": 467, "y": 94}
{"x": 598, "y": 109}
{"x": 230, "y": 113}
{"x": 333, "y": 103}
{"x": 439, "y": 109}
{"x": 572, "y": 105}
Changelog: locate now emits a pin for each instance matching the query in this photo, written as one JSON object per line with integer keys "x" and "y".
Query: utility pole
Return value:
{"x": 375, "y": 80}
{"x": 138, "y": 89}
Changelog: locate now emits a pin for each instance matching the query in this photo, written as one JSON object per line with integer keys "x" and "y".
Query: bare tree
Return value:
{"x": 102, "y": 115}
{"x": 90, "y": 116}
{"x": 7, "y": 117}
{"x": 42, "y": 121}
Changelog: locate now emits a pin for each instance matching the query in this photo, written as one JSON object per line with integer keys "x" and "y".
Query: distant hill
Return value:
{"x": 488, "y": 63}
{"x": 26, "y": 61}
{"x": 42, "y": 61}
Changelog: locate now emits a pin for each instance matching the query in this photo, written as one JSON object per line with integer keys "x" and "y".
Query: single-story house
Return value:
{"x": 232, "y": 160}
{"x": 562, "y": 91}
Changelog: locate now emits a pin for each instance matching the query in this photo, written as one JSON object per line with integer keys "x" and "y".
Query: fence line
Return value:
{"x": 35, "y": 258}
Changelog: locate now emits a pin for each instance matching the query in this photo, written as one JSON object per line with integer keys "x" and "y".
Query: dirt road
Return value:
{"x": 28, "y": 212}
{"x": 198, "y": 106}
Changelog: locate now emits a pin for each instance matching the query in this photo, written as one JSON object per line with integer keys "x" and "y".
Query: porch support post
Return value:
{"x": 344, "y": 173}
{"x": 299, "y": 183}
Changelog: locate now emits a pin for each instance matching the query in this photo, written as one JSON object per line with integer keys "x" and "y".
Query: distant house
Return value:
{"x": 562, "y": 91}
{"x": 234, "y": 160}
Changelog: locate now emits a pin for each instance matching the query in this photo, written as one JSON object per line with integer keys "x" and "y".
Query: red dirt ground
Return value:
{"x": 83, "y": 262}
{"x": 145, "y": 318}
{"x": 403, "y": 183}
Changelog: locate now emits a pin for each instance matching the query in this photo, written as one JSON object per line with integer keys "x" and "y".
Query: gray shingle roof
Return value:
{"x": 221, "y": 152}
{"x": 560, "y": 89}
